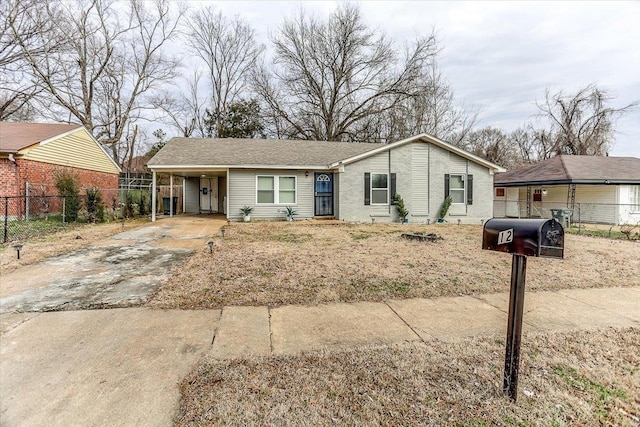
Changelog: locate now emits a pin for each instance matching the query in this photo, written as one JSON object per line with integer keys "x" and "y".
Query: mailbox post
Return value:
{"x": 522, "y": 238}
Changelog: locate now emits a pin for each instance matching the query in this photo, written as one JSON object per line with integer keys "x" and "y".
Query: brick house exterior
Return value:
{"x": 35, "y": 152}
{"x": 15, "y": 176}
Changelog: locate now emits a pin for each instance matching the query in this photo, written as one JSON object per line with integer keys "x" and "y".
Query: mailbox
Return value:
{"x": 534, "y": 237}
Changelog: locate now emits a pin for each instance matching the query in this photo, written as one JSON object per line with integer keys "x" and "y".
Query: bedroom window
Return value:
{"x": 459, "y": 187}
{"x": 276, "y": 190}
{"x": 379, "y": 189}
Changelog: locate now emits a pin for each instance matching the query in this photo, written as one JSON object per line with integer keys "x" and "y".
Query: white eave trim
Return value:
{"x": 431, "y": 139}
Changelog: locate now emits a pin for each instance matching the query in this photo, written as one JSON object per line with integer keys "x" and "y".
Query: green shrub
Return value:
{"x": 95, "y": 205}
{"x": 67, "y": 186}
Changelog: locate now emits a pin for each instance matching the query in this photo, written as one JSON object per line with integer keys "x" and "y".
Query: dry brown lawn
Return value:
{"x": 309, "y": 263}
{"x": 577, "y": 379}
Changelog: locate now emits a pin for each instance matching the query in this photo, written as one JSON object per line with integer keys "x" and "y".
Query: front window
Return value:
{"x": 634, "y": 198}
{"x": 456, "y": 188}
{"x": 266, "y": 188}
{"x": 276, "y": 190}
{"x": 379, "y": 189}
{"x": 287, "y": 189}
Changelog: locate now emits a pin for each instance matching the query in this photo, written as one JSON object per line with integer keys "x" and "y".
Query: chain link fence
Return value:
{"x": 41, "y": 211}
{"x": 581, "y": 215}
{"x": 24, "y": 217}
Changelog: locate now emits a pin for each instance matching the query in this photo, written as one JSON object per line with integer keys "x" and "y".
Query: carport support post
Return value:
{"x": 154, "y": 197}
{"x": 171, "y": 195}
{"x": 514, "y": 326}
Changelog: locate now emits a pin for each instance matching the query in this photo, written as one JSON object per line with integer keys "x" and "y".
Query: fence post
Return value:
{"x": 64, "y": 209}
{"x": 26, "y": 202}
{"x": 6, "y": 220}
{"x": 579, "y": 219}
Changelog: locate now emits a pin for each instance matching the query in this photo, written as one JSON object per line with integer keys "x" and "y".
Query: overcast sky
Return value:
{"x": 500, "y": 56}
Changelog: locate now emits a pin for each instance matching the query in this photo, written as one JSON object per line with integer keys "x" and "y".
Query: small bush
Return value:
{"x": 67, "y": 186}
{"x": 95, "y": 205}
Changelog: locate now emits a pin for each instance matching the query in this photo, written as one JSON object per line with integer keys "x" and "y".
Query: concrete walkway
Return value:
{"x": 122, "y": 366}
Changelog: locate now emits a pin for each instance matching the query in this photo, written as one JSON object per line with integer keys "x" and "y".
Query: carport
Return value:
{"x": 204, "y": 189}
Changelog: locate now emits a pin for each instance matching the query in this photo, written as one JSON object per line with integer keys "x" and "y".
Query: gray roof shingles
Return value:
{"x": 574, "y": 169}
{"x": 209, "y": 152}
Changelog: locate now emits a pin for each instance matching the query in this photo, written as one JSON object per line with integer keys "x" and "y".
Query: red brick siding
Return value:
{"x": 8, "y": 178}
{"x": 44, "y": 173}
{"x": 42, "y": 178}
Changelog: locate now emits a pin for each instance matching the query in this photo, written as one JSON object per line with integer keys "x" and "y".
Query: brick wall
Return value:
{"x": 8, "y": 178}
{"x": 14, "y": 177}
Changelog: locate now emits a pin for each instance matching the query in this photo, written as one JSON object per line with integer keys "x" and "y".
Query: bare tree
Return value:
{"x": 184, "y": 109}
{"x": 229, "y": 50}
{"x": 579, "y": 123}
{"x": 106, "y": 63}
{"x": 17, "y": 88}
{"x": 493, "y": 144}
{"x": 330, "y": 80}
{"x": 432, "y": 109}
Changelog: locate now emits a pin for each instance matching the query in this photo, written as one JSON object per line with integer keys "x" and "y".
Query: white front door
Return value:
{"x": 512, "y": 208}
{"x": 209, "y": 194}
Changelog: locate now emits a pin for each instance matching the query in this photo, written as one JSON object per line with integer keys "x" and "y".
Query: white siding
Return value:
{"x": 420, "y": 169}
{"x": 629, "y": 212}
{"x": 597, "y": 203}
{"x": 593, "y": 203}
{"x": 419, "y": 180}
{"x": 242, "y": 191}
{"x": 351, "y": 195}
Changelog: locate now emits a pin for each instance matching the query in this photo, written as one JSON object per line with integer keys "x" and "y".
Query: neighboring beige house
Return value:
{"x": 34, "y": 152}
{"x": 598, "y": 189}
{"x": 353, "y": 182}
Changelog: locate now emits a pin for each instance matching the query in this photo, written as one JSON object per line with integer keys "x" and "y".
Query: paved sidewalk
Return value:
{"x": 122, "y": 366}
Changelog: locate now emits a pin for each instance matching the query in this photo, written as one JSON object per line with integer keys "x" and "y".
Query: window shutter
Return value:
{"x": 469, "y": 189}
{"x": 393, "y": 188}
{"x": 367, "y": 188}
{"x": 446, "y": 185}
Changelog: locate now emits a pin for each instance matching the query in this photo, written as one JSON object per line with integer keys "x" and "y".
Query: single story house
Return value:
{"x": 598, "y": 189}
{"x": 33, "y": 152}
{"x": 354, "y": 182}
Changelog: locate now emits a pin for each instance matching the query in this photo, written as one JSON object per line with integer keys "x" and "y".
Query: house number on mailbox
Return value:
{"x": 505, "y": 236}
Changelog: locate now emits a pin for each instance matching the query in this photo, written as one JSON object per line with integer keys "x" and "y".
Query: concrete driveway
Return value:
{"x": 101, "y": 367}
{"x": 122, "y": 271}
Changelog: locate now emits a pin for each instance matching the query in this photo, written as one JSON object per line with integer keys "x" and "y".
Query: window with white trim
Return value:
{"x": 276, "y": 189}
{"x": 634, "y": 198}
{"x": 457, "y": 188}
{"x": 379, "y": 189}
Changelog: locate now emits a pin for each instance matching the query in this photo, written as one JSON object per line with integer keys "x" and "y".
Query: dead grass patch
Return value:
{"x": 300, "y": 263}
{"x": 577, "y": 378}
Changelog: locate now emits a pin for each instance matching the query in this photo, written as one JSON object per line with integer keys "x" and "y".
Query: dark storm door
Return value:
{"x": 323, "y": 194}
